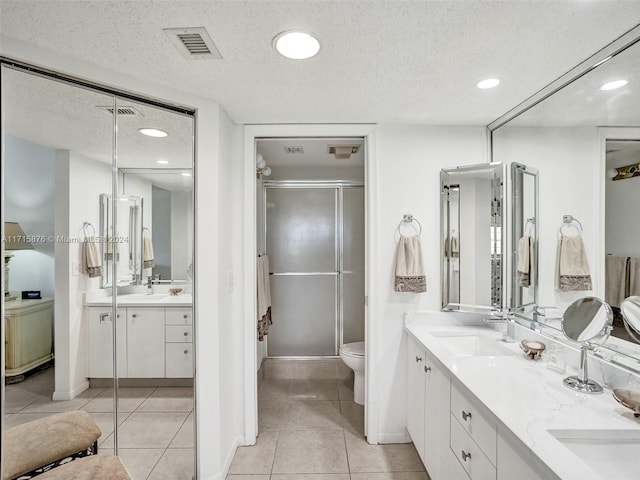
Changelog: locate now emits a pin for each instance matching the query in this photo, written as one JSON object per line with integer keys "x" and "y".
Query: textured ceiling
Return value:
{"x": 381, "y": 61}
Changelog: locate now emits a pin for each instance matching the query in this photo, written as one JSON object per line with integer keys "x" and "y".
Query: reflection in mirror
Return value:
{"x": 472, "y": 237}
{"x": 631, "y": 314}
{"x": 588, "y": 322}
{"x": 524, "y": 231}
{"x": 124, "y": 246}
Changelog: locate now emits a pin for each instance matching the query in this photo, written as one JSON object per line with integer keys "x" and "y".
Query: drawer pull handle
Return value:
{"x": 185, "y": 316}
{"x": 466, "y": 456}
{"x": 418, "y": 359}
{"x": 427, "y": 369}
{"x": 105, "y": 318}
{"x": 466, "y": 415}
{"x": 134, "y": 315}
{"x": 186, "y": 334}
{"x": 186, "y": 352}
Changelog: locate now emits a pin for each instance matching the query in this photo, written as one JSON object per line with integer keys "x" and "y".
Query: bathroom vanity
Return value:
{"x": 479, "y": 408}
{"x": 154, "y": 336}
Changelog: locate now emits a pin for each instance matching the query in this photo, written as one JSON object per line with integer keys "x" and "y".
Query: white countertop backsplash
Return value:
{"x": 524, "y": 395}
{"x": 139, "y": 296}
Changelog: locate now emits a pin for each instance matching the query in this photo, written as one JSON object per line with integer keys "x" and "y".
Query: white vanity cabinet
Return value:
{"x": 428, "y": 410}
{"x": 101, "y": 342}
{"x": 473, "y": 435}
{"x": 145, "y": 342}
{"x": 153, "y": 342}
{"x": 179, "y": 343}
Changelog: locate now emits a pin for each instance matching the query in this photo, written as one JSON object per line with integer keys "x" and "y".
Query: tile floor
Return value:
{"x": 156, "y": 424}
{"x": 311, "y": 429}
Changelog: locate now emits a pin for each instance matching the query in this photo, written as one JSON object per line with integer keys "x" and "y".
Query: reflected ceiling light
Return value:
{"x": 488, "y": 83}
{"x": 163, "y": 162}
{"x": 186, "y": 174}
{"x": 613, "y": 85}
{"x": 153, "y": 132}
{"x": 297, "y": 45}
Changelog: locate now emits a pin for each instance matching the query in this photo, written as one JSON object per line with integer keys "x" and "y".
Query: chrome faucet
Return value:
{"x": 506, "y": 323}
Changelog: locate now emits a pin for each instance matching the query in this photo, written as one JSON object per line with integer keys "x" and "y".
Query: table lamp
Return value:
{"x": 14, "y": 239}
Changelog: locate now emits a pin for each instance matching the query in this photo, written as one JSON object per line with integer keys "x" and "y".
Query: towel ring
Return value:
{"x": 85, "y": 227}
{"x": 408, "y": 218}
{"x": 530, "y": 226}
{"x": 570, "y": 221}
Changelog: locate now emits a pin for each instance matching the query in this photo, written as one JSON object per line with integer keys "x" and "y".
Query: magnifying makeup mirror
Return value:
{"x": 630, "y": 308}
{"x": 587, "y": 321}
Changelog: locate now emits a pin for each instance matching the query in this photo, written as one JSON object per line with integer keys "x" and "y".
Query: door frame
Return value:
{"x": 249, "y": 248}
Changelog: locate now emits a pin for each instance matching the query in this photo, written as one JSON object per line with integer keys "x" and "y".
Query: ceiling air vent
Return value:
{"x": 293, "y": 150}
{"x": 342, "y": 152}
{"x": 123, "y": 110}
{"x": 193, "y": 43}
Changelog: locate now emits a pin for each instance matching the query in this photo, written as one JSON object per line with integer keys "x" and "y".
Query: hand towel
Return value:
{"x": 523, "y": 274}
{"x": 148, "y": 258}
{"x": 263, "y": 296}
{"x": 454, "y": 245}
{"x": 573, "y": 266}
{"x": 616, "y": 275}
{"x": 111, "y": 247}
{"x": 410, "y": 275}
{"x": 634, "y": 276}
{"x": 91, "y": 264}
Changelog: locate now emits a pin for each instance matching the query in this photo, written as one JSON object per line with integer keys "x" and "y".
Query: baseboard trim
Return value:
{"x": 237, "y": 442}
{"x": 394, "y": 437}
{"x": 73, "y": 393}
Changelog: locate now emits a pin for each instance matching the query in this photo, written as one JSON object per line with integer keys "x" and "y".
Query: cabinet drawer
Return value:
{"x": 179, "y": 360}
{"x": 475, "y": 463}
{"x": 178, "y": 333}
{"x": 178, "y": 316}
{"x": 474, "y": 422}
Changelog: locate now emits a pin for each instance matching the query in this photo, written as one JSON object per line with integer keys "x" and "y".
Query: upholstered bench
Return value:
{"x": 35, "y": 447}
{"x": 94, "y": 467}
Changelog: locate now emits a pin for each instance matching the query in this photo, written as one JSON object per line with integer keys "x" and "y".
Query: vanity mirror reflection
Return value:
{"x": 472, "y": 237}
{"x": 571, "y": 131}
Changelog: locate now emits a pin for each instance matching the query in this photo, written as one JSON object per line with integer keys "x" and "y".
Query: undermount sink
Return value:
{"x": 468, "y": 344}
{"x": 611, "y": 453}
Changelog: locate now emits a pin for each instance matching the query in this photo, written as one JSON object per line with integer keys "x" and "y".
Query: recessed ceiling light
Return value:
{"x": 153, "y": 132}
{"x": 488, "y": 83}
{"x": 613, "y": 85}
{"x": 186, "y": 174}
{"x": 296, "y": 45}
{"x": 163, "y": 162}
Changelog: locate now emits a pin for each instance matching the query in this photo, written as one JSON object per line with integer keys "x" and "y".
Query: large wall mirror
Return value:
{"x": 98, "y": 202}
{"x": 583, "y": 135}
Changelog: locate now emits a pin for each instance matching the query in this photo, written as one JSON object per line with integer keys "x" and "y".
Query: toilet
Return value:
{"x": 352, "y": 355}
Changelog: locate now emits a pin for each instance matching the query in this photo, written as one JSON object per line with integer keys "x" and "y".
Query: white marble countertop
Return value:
{"x": 527, "y": 398}
{"x": 142, "y": 300}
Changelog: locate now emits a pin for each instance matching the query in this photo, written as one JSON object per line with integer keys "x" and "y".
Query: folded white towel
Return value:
{"x": 454, "y": 245}
{"x": 523, "y": 273}
{"x": 91, "y": 264}
{"x": 573, "y": 272}
{"x": 616, "y": 275}
{"x": 148, "y": 258}
{"x": 410, "y": 275}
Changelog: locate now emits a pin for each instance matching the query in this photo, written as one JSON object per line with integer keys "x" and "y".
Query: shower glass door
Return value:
{"x": 305, "y": 241}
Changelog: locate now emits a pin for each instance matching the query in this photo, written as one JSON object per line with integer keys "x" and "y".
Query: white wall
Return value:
{"x": 181, "y": 236}
{"x": 79, "y": 183}
{"x": 409, "y": 160}
{"x": 568, "y": 164}
{"x": 29, "y": 200}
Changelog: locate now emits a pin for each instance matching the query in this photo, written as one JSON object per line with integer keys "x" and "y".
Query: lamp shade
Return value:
{"x": 15, "y": 238}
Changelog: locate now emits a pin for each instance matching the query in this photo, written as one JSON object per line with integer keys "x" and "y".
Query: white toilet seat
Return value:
{"x": 354, "y": 349}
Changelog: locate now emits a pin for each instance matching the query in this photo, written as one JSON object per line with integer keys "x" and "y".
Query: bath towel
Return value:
{"x": 148, "y": 259}
{"x": 523, "y": 273}
{"x": 410, "y": 275}
{"x": 91, "y": 264}
{"x": 634, "y": 276}
{"x": 616, "y": 280}
{"x": 263, "y": 296}
{"x": 110, "y": 247}
{"x": 454, "y": 245}
{"x": 572, "y": 265}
